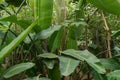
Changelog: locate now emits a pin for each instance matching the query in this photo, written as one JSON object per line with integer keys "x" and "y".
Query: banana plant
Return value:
{"x": 111, "y": 6}
{"x": 43, "y": 9}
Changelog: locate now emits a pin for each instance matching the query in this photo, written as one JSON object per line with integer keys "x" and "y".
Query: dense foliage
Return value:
{"x": 59, "y": 40}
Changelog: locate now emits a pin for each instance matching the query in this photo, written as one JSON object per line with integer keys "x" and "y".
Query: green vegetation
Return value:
{"x": 59, "y": 40}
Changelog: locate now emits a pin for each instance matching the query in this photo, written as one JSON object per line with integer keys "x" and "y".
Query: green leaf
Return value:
{"x": 8, "y": 49}
{"x": 17, "y": 69}
{"x": 110, "y": 64}
{"x": 75, "y": 31}
{"x": 71, "y": 44}
{"x": 23, "y": 23}
{"x": 1, "y": 1}
{"x": 97, "y": 76}
{"x": 115, "y": 75}
{"x": 67, "y": 65}
{"x": 43, "y": 10}
{"x": 48, "y": 55}
{"x": 54, "y": 74}
{"x": 31, "y": 4}
{"x": 116, "y": 33}
{"x": 12, "y": 18}
{"x": 111, "y": 6}
{"x": 55, "y": 40}
{"x": 85, "y": 55}
{"x": 47, "y": 32}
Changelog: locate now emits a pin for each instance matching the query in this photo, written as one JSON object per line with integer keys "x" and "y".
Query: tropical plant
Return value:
{"x": 59, "y": 40}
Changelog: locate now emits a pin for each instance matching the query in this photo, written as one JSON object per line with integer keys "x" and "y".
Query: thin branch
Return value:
{"x": 108, "y": 35}
{"x": 20, "y": 7}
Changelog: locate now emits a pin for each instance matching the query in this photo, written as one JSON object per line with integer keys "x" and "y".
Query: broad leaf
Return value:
{"x": 97, "y": 76}
{"x": 115, "y": 75}
{"x": 67, "y": 65}
{"x": 8, "y": 49}
{"x": 55, "y": 40}
{"x": 110, "y": 64}
{"x": 17, "y": 69}
{"x": 71, "y": 44}
{"x": 112, "y": 6}
{"x": 47, "y": 32}
{"x": 85, "y": 55}
{"x": 43, "y": 10}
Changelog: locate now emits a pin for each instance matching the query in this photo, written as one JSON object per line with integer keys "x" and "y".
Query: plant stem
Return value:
{"x": 108, "y": 35}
